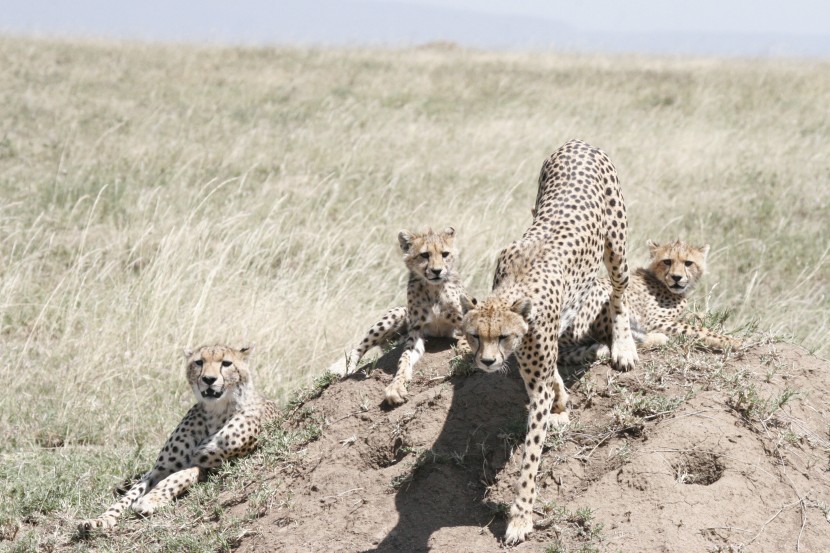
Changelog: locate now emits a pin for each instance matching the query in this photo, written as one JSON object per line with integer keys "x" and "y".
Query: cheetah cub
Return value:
{"x": 656, "y": 297}
{"x": 433, "y": 307}
{"x": 224, "y": 423}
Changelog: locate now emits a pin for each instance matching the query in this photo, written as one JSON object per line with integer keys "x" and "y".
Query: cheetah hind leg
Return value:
{"x": 391, "y": 324}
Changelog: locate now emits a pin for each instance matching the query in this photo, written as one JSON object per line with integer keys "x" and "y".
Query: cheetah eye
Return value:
{"x": 667, "y": 262}
{"x": 502, "y": 337}
{"x": 425, "y": 255}
{"x": 198, "y": 362}
{"x": 226, "y": 363}
{"x": 445, "y": 254}
{"x": 689, "y": 263}
{"x": 474, "y": 336}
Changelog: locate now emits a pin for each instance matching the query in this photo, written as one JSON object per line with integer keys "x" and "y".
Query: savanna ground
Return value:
{"x": 157, "y": 197}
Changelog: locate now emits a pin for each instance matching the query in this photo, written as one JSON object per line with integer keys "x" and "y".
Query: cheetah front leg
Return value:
{"x": 391, "y": 324}
{"x": 546, "y": 396}
{"x": 110, "y": 516}
{"x": 182, "y": 437}
{"x": 623, "y": 348}
{"x": 396, "y": 392}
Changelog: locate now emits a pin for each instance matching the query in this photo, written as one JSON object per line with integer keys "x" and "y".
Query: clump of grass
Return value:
{"x": 747, "y": 402}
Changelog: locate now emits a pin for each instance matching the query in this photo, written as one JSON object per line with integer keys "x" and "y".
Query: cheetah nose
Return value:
{"x": 487, "y": 362}
{"x": 436, "y": 272}
{"x": 677, "y": 277}
{"x": 209, "y": 380}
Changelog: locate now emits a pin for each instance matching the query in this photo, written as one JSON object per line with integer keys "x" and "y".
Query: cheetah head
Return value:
{"x": 218, "y": 375}
{"x": 494, "y": 329}
{"x": 677, "y": 265}
{"x": 430, "y": 255}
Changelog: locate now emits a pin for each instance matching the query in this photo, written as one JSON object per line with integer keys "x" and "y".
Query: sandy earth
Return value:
{"x": 689, "y": 474}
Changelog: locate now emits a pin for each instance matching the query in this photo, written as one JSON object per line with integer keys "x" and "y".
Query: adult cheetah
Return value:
{"x": 433, "y": 307}
{"x": 539, "y": 286}
{"x": 224, "y": 423}
{"x": 656, "y": 298}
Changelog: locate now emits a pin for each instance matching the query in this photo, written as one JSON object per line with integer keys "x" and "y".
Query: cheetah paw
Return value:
{"x": 655, "y": 340}
{"x": 144, "y": 507}
{"x": 395, "y": 393}
{"x": 601, "y": 351}
{"x": 558, "y": 419}
{"x": 518, "y": 528}
{"x": 624, "y": 355}
{"x": 87, "y": 526}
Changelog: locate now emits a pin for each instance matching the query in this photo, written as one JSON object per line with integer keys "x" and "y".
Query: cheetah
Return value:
{"x": 433, "y": 307}
{"x": 540, "y": 284}
{"x": 225, "y": 423}
{"x": 656, "y": 298}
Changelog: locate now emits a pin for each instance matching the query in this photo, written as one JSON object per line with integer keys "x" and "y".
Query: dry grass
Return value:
{"x": 156, "y": 197}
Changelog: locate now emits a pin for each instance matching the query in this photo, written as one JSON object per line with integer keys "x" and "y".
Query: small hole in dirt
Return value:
{"x": 698, "y": 467}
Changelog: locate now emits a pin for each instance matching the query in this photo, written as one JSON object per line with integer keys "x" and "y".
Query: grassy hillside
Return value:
{"x": 157, "y": 197}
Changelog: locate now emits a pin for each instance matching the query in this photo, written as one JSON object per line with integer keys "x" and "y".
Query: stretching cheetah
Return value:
{"x": 224, "y": 423}
{"x": 656, "y": 298}
{"x": 539, "y": 286}
{"x": 433, "y": 306}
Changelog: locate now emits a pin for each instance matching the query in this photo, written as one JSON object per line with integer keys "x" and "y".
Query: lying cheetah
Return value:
{"x": 433, "y": 306}
{"x": 539, "y": 286}
{"x": 656, "y": 298}
{"x": 224, "y": 423}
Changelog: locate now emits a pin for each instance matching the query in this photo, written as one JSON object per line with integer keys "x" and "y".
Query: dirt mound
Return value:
{"x": 691, "y": 451}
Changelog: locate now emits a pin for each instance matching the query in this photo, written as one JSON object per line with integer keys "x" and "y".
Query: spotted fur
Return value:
{"x": 433, "y": 307}
{"x": 224, "y": 423}
{"x": 656, "y": 298}
{"x": 540, "y": 284}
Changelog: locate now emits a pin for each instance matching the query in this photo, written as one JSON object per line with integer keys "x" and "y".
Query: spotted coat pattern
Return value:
{"x": 656, "y": 298}
{"x": 540, "y": 283}
{"x": 433, "y": 306}
{"x": 224, "y": 424}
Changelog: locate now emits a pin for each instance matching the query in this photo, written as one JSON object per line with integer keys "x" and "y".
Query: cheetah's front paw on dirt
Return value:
{"x": 624, "y": 355}
{"x": 519, "y": 527}
{"x": 396, "y": 393}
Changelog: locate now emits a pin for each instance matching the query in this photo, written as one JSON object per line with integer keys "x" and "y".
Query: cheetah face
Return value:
{"x": 494, "y": 330}
{"x": 216, "y": 373}
{"x": 429, "y": 256}
{"x": 678, "y": 265}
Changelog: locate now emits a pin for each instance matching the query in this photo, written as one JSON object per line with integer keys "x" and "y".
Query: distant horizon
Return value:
{"x": 645, "y": 26}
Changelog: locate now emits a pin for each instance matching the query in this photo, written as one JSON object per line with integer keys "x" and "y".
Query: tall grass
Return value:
{"x": 157, "y": 197}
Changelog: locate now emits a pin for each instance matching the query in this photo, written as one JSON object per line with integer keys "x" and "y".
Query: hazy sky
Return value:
{"x": 752, "y": 16}
{"x": 719, "y": 27}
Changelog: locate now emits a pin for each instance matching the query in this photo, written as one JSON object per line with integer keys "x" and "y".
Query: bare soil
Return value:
{"x": 691, "y": 451}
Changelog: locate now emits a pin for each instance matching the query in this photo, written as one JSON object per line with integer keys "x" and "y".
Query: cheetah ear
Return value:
{"x": 246, "y": 350}
{"x": 705, "y": 251}
{"x": 405, "y": 240}
{"x": 187, "y": 352}
{"x": 467, "y": 304}
{"x": 449, "y": 232}
{"x": 523, "y": 307}
{"x": 652, "y": 247}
